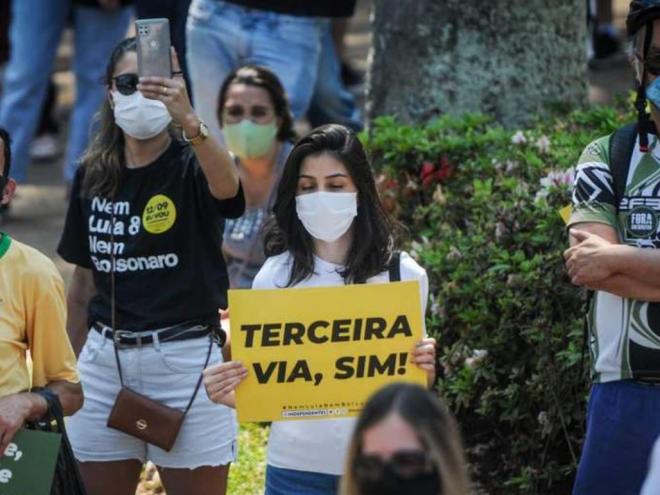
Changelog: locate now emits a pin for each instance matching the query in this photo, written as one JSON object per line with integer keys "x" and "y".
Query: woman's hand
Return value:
{"x": 173, "y": 93}
{"x": 221, "y": 380}
{"x": 423, "y": 355}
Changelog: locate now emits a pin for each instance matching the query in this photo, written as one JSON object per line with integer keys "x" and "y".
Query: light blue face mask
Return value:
{"x": 653, "y": 93}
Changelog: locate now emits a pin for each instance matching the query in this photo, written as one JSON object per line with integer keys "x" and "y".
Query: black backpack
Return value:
{"x": 622, "y": 145}
{"x": 394, "y": 267}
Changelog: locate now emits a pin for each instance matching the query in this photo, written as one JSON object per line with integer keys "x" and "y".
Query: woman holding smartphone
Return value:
{"x": 144, "y": 231}
{"x": 329, "y": 229}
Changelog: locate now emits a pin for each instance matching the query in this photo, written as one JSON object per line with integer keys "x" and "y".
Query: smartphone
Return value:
{"x": 153, "y": 47}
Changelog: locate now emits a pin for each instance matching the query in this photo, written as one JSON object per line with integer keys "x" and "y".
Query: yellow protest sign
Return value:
{"x": 315, "y": 353}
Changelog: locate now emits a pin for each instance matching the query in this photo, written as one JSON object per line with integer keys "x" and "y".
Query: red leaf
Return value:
{"x": 427, "y": 170}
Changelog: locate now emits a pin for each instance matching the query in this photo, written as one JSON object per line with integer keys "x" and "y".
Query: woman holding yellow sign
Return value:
{"x": 329, "y": 229}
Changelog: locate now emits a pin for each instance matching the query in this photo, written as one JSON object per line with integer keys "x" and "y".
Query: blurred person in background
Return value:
{"x": 45, "y": 145}
{"x": 254, "y": 115}
{"x": 35, "y": 31}
{"x": 283, "y": 35}
{"x": 405, "y": 442}
{"x": 332, "y": 102}
{"x": 603, "y": 36}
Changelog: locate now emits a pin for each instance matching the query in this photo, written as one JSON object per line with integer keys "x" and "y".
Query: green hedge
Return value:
{"x": 481, "y": 206}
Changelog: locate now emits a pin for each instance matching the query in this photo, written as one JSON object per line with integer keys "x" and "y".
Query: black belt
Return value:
{"x": 125, "y": 338}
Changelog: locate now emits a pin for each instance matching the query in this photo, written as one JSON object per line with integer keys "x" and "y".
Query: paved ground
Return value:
{"x": 38, "y": 212}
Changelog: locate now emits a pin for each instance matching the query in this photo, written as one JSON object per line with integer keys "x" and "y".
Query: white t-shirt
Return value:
{"x": 319, "y": 445}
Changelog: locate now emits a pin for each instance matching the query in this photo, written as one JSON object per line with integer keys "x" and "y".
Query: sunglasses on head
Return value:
{"x": 126, "y": 84}
{"x": 402, "y": 464}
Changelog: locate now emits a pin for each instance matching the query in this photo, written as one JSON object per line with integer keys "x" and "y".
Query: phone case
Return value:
{"x": 153, "y": 47}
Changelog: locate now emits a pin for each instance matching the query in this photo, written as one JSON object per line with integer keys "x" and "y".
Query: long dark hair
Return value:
{"x": 104, "y": 158}
{"x": 429, "y": 418}
{"x": 6, "y": 146}
{"x": 371, "y": 248}
{"x": 260, "y": 77}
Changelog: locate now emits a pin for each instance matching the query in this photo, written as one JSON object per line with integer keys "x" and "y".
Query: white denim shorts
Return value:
{"x": 166, "y": 372}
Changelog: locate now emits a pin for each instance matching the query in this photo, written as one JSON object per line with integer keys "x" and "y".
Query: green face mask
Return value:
{"x": 249, "y": 140}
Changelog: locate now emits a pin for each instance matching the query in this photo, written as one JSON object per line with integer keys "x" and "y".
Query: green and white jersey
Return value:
{"x": 624, "y": 333}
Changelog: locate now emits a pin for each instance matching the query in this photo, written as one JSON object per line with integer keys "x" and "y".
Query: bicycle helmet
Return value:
{"x": 642, "y": 13}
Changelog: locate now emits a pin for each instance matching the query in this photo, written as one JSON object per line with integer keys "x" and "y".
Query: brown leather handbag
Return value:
{"x": 147, "y": 419}
{"x": 136, "y": 414}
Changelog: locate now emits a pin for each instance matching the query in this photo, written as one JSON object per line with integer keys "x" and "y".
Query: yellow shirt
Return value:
{"x": 32, "y": 317}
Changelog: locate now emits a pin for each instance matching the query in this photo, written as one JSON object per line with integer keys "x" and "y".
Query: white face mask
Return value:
{"x": 327, "y": 215}
{"x": 140, "y": 117}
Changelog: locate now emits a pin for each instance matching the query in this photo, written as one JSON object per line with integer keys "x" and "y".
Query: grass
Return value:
{"x": 246, "y": 476}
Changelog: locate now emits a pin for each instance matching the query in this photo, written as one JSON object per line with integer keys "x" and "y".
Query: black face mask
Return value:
{"x": 420, "y": 484}
{"x": 405, "y": 473}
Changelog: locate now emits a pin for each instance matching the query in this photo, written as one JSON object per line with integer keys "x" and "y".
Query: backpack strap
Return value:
{"x": 622, "y": 144}
{"x": 395, "y": 267}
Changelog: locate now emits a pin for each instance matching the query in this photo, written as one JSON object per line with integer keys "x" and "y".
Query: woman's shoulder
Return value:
{"x": 410, "y": 269}
{"x": 274, "y": 273}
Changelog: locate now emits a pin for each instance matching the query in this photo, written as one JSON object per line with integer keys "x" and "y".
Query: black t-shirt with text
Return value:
{"x": 169, "y": 267}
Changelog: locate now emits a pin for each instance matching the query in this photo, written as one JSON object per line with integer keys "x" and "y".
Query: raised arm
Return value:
{"x": 216, "y": 162}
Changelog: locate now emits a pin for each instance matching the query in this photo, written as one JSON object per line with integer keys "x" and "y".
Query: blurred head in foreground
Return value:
{"x": 405, "y": 442}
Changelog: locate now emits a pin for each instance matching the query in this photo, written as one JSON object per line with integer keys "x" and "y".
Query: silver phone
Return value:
{"x": 153, "y": 47}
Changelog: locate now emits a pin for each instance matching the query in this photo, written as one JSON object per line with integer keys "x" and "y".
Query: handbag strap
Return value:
{"x": 67, "y": 479}
{"x": 201, "y": 376}
{"x": 113, "y": 308}
{"x": 113, "y": 318}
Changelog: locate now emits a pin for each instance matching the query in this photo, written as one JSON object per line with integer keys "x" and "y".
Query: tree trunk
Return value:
{"x": 510, "y": 59}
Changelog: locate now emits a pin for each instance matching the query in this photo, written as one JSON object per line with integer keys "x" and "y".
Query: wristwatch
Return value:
{"x": 201, "y": 135}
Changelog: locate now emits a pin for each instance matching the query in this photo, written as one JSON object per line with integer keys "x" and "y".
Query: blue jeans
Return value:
{"x": 332, "y": 103}
{"x": 281, "y": 481}
{"x": 222, "y": 36}
{"x": 35, "y": 33}
{"x": 623, "y": 422}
